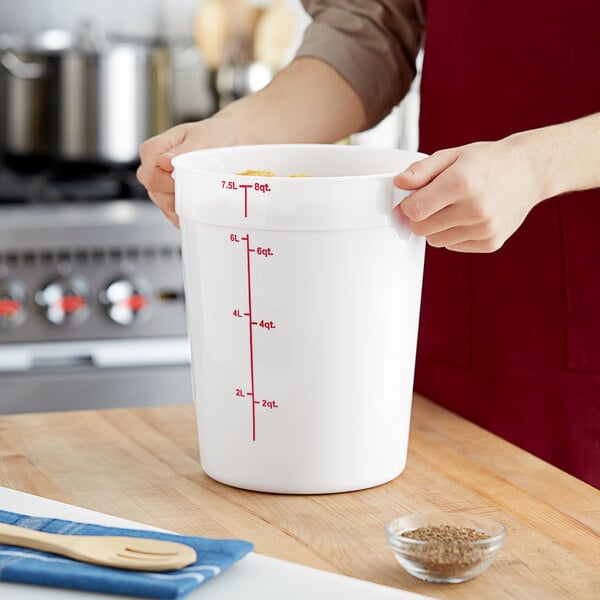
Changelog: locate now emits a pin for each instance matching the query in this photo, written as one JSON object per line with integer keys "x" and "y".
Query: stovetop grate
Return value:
{"x": 33, "y": 181}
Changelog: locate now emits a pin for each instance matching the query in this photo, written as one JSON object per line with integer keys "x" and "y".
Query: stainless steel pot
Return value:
{"x": 79, "y": 96}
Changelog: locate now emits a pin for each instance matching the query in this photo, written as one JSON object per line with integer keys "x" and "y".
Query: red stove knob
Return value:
{"x": 13, "y": 303}
{"x": 66, "y": 300}
{"x": 127, "y": 300}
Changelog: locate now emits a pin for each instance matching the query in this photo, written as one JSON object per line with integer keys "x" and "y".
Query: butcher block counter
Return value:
{"x": 142, "y": 464}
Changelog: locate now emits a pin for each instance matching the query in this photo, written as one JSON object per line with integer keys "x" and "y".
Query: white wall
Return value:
{"x": 146, "y": 18}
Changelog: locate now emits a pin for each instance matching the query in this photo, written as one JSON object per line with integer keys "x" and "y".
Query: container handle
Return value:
{"x": 20, "y": 68}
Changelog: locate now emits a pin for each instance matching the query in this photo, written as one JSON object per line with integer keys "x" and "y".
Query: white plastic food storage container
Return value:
{"x": 303, "y": 301}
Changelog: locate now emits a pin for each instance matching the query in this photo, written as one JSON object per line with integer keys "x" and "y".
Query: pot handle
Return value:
{"x": 19, "y": 68}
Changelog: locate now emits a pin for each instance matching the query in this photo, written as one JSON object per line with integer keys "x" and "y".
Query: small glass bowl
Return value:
{"x": 438, "y": 560}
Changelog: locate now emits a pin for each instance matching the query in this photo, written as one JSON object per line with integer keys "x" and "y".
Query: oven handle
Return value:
{"x": 101, "y": 354}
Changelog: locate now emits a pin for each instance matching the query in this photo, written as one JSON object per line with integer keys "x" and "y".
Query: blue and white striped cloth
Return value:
{"x": 21, "y": 565}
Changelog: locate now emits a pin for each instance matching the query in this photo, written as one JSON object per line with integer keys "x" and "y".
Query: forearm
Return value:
{"x": 308, "y": 101}
{"x": 565, "y": 157}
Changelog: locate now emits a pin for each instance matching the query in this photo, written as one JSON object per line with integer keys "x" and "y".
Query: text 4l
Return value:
{"x": 263, "y": 323}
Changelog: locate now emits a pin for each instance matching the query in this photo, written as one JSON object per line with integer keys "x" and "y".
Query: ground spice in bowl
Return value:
{"x": 446, "y": 549}
{"x": 447, "y": 555}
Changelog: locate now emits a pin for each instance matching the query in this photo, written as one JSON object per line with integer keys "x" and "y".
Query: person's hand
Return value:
{"x": 307, "y": 101}
{"x": 471, "y": 198}
{"x": 157, "y": 152}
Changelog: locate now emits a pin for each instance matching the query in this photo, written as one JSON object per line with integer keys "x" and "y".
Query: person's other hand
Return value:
{"x": 471, "y": 198}
{"x": 157, "y": 152}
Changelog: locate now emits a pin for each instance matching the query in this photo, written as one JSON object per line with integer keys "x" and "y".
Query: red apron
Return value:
{"x": 511, "y": 340}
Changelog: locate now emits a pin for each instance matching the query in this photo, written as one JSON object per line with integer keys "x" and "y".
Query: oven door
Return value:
{"x": 93, "y": 375}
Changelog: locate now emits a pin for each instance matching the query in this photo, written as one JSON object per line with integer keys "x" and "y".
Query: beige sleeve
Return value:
{"x": 371, "y": 43}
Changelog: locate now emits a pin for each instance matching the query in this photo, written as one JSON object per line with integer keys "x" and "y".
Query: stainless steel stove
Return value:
{"x": 92, "y": 311}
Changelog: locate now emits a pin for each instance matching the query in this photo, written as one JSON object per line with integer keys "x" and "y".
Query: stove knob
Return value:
{"x": 127, "y": 300}
{"x": 13, "y": 303}
{"x": 66, "y": 300}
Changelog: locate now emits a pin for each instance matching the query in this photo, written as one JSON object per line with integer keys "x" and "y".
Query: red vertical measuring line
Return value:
{"x": 247, "y": 238}
{"x": 245, "y": 188}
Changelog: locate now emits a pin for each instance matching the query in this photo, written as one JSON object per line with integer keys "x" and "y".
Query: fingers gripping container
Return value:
{"x": 302, "y": 299}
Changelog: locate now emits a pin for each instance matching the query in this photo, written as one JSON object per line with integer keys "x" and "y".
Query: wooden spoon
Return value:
{"x": 138, "y": 554}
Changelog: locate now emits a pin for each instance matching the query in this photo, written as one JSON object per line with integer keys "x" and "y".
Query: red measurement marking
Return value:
{"x": 247, "y": 239}
{"x": 70, "y": 304}
{"x": 9, "y": 308}
{"x": 245, "y": 187}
